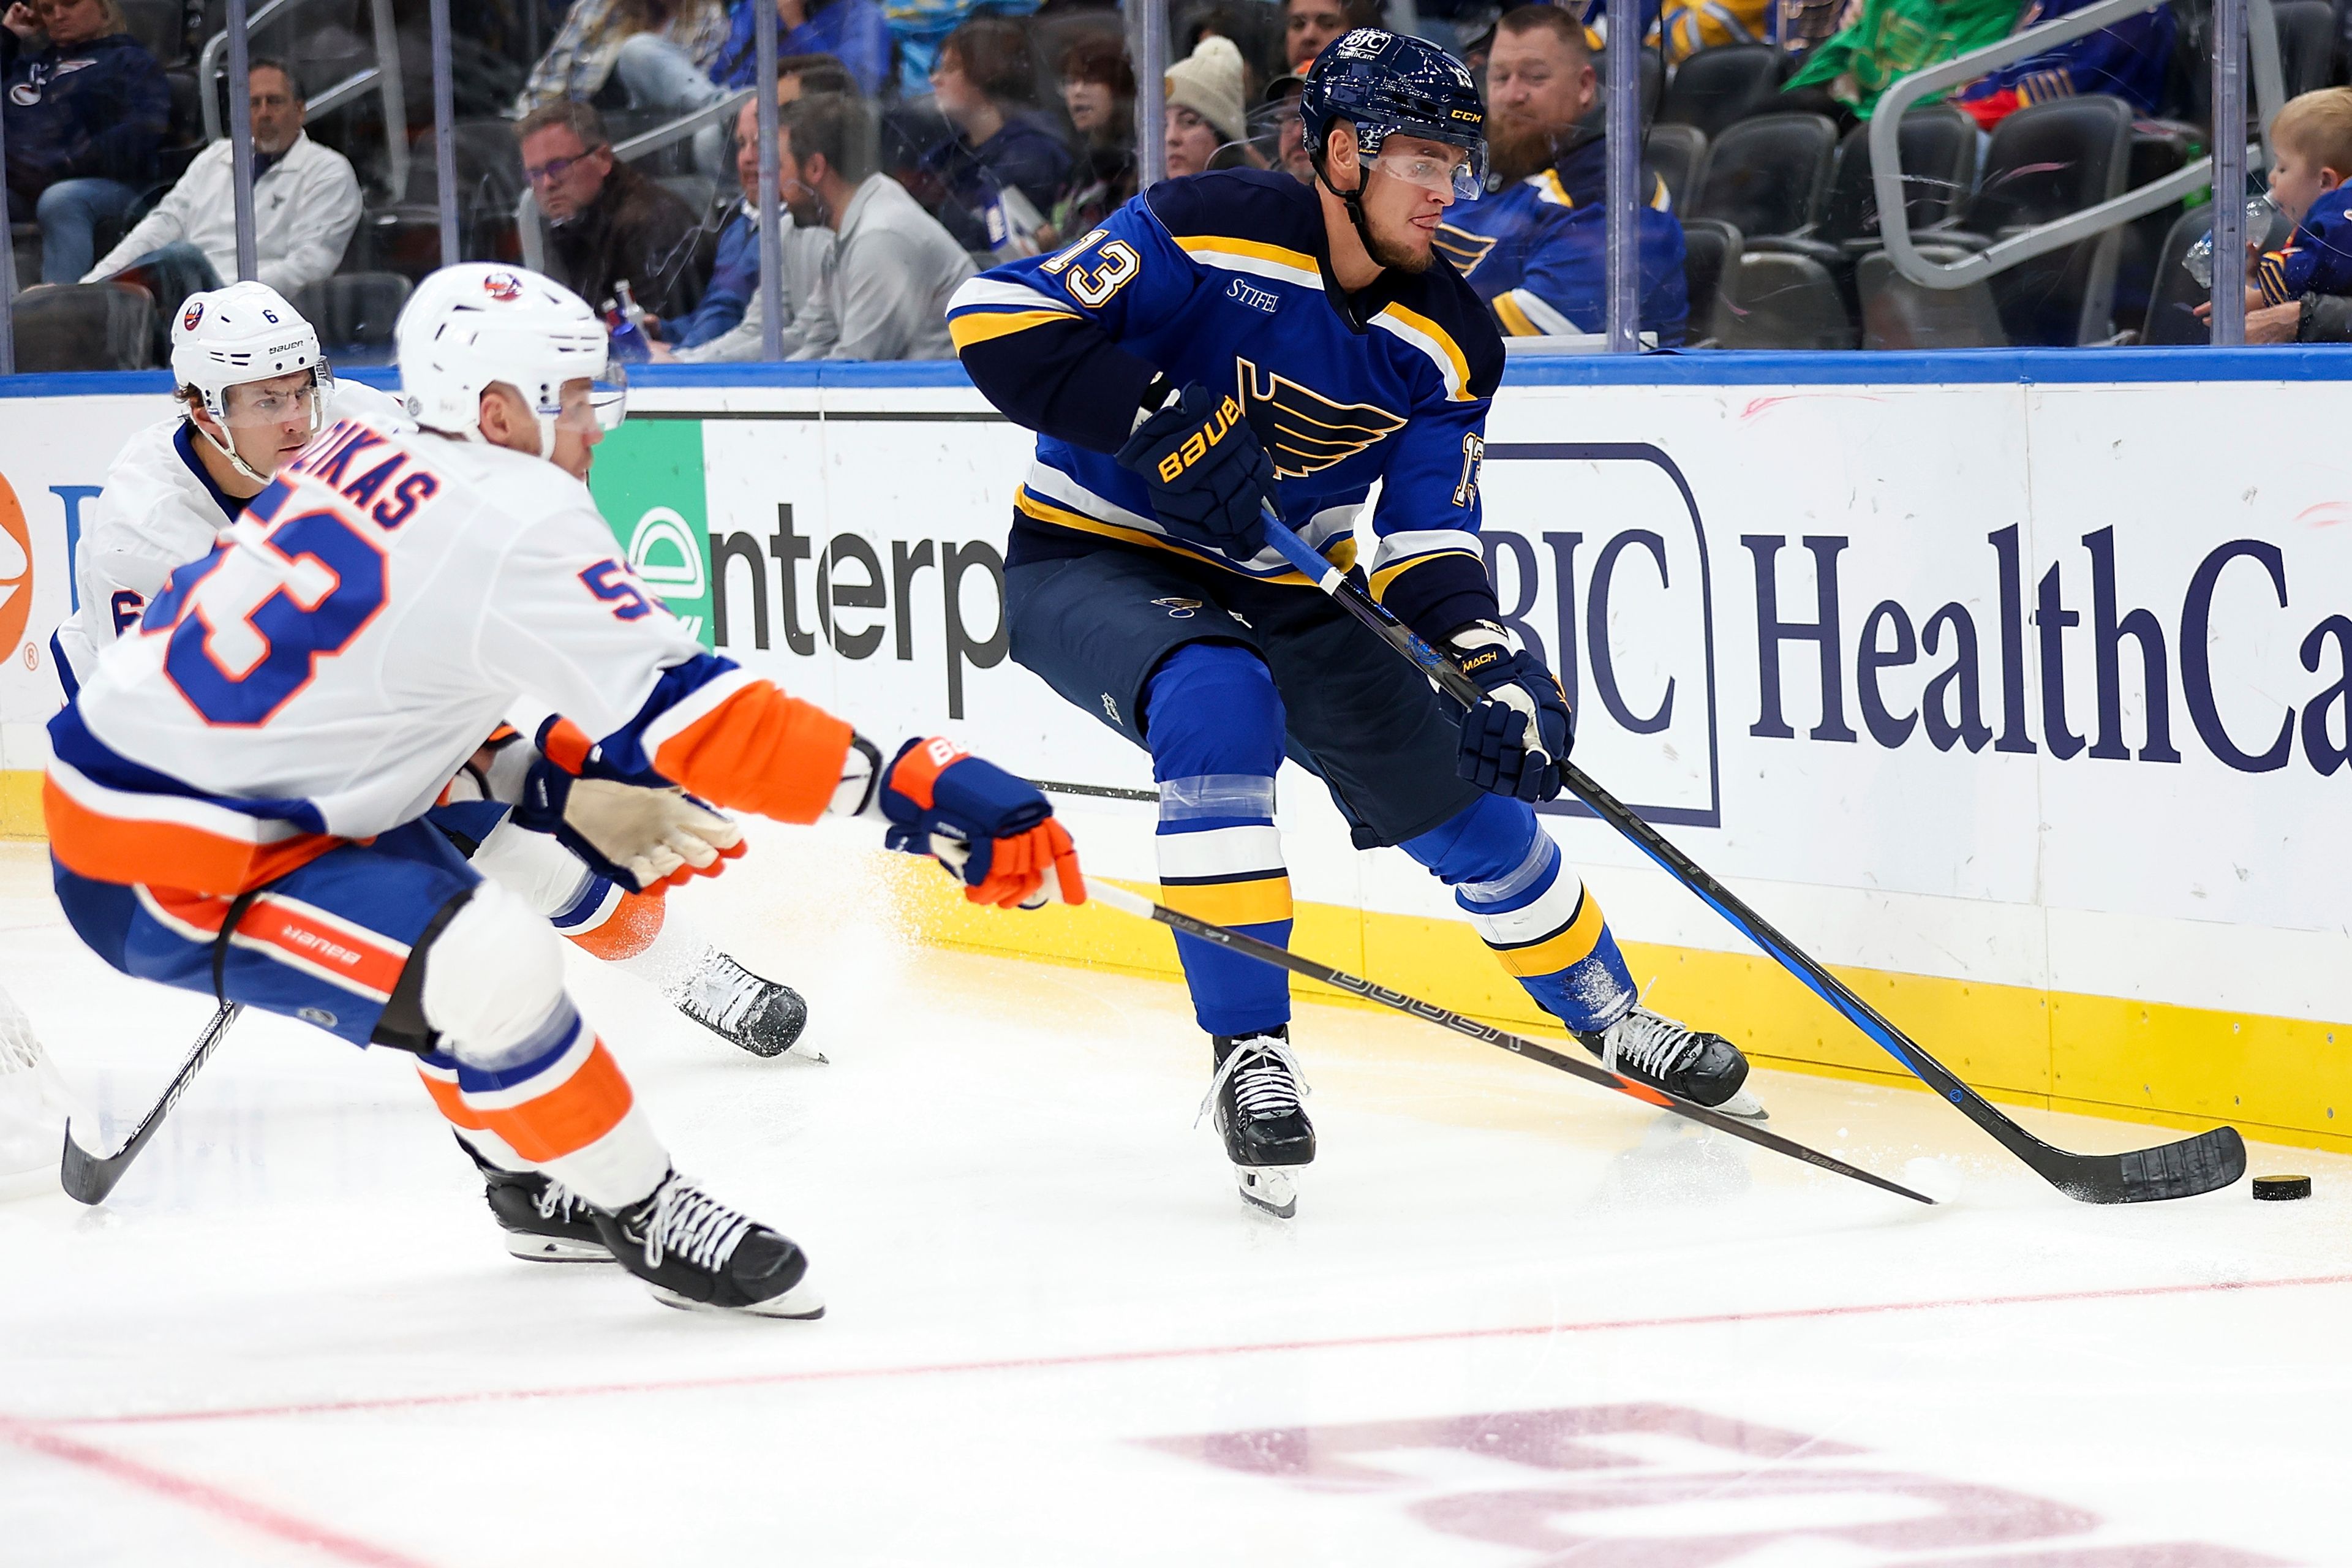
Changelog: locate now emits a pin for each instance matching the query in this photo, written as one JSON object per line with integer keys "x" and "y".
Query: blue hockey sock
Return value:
{"x": 1214, "y": 724}
{"x": 1532, "y": 909}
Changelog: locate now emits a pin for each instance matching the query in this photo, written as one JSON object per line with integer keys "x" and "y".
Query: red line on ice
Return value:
{"x": 1114, "y": 1358}
{"x": 198, "y": 1494}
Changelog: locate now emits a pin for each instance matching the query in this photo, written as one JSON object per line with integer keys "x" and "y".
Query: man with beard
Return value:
{"x": 1237, "y": 338}
{"x": 1536, "y": 248}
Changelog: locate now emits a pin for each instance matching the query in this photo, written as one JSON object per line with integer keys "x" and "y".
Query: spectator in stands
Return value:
{"x": 920, "y": 29}
{"x": 660, "y": 75}
{"x": 884, "y": 292}
{"x": 1308, "y": 25}
{"x": 1535, "y": 247}
{"x": 1205, "y": 127}
{"x": 1887, "y": 39}
{"x": 2312, "y": 137}
{"x": 581, "y": 61}
{"x": 1098, "y": 89}
{"x": 86, "y": 114}
{"x": 735, "y": 275}
{"x": 1281, "y": 135}
{"x": 2127, "y": 59}
{"x": 608, "y": 223}
{"x": 999, "y": 171}
{"x": 306, "y": 202}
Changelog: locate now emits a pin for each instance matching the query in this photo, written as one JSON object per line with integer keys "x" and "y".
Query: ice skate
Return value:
{"x": 1254, "y": 1097}
{"x": 695, "y": 1253}
{"x": 544, "y": 1221}
{"x": 764, "y": 1017}
{"x": 1648, "y": 1048}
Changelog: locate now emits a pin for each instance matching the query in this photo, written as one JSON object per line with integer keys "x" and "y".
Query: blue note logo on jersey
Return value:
{"x": 1310, "y": 432}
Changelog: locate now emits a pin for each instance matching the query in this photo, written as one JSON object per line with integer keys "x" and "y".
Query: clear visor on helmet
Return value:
{"x": 1434, "y": 166}
{"x": 297, "y": 399}
{"x": 587, "y": 404}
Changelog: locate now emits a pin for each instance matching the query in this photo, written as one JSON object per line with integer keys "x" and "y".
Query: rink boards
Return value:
{"x": 2020, "y": 696}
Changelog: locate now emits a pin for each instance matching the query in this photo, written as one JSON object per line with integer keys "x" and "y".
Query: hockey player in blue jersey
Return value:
{"x": 1238, "y": 336}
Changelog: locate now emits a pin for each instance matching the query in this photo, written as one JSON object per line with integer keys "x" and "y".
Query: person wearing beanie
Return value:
{"x": 1205, "y": 109}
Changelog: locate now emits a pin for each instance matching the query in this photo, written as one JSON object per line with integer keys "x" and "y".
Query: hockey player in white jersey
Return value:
{"x": 236, "y": 799}
{"x": 254, "y": 388}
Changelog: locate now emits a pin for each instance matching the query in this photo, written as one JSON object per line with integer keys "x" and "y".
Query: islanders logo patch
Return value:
{"x": 503, "y": 286}
{"x": 192, "y": 315}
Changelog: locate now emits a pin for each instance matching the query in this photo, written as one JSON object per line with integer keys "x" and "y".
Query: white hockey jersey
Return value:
{"x": 321, "y": 674}
{"x": 160, "y": 510}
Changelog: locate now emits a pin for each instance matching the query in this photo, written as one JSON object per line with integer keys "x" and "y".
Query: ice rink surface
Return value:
{"x": 1516, "y": 1322}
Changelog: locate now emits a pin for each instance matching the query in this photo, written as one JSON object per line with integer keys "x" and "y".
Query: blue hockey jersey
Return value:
{"x": 1538, "y": 252}
{"x": 1224, "y": 278}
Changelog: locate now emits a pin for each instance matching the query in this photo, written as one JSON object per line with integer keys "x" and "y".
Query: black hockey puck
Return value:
{"x": 2279, "y": 1189}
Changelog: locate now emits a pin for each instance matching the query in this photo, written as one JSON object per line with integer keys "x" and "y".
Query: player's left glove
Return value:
{"x": 994, "y": 831}
{"x": 642, "y": 834}
{"x": 1513, "y": 743}
{"x": 1207, "y": 471}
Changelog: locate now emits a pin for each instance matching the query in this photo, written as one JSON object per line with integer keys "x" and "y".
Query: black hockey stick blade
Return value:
{"x": 87, "y": 1177}
{"x": 1591, "y": 1072}
{"x": 2206, "y": 1162}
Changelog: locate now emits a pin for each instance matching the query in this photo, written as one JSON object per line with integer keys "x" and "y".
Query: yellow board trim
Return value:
{"x": 1340, "y": 552}
{"x": 982, "y": 326}
{"x": 1572, "y": 944}
{"x": 20, "y": 805}
{"x": 2281, "y": 1080}
{"x": 1257, "y": 902}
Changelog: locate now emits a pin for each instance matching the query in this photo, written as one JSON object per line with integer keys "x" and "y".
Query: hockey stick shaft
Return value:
{"x": 1135, "y": 904}
{"x": 87, "y": 1178}
{"x": 2211, "y": 1160}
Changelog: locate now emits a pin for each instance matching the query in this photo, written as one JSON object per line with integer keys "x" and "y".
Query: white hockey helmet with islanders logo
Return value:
{"x": 478, "y": 324}
{"x": 246, "y": 333}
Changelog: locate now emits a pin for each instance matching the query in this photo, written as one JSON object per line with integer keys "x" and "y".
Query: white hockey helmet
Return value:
{"x": 478, "y": 323}
{"x": 246, "y": 333}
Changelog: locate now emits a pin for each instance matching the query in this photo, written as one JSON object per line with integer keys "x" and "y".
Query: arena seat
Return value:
{"x": 1677, "y": 154}
{"x": 84, "y": 326}
{"x": 1897, "y": 313}
{"x": 1767, "y": 175}
{"x": 1717, "y": 87}
{"x": 1710, "y": 247}
{"x": 1780, "y": 301}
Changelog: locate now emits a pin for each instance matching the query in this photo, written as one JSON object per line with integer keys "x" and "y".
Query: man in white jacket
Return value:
{"x": 306, "y": 202}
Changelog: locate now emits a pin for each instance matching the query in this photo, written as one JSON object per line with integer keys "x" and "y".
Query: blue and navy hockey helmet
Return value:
{"x": 1392, "y": 84}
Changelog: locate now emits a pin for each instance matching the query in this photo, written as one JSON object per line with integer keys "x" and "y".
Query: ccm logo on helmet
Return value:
{"x": 195, "y": 313}
{"x": 503, "y": 286}
{"x": 1196, "y": 445}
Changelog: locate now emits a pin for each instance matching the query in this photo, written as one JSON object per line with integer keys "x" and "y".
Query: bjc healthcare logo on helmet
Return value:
{"x": 16, "y": 571}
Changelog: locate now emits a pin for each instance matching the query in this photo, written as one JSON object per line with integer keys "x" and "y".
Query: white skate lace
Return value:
{"x": 557, "y": 1201}
{"x": 1651, "y": 1042}
{"x": 1269, "y": 1082}
{"x": 690, "y": 1222}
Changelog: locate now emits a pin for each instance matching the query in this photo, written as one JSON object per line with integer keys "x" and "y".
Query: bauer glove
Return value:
{"x": 994, "y": 831}
{"x": 642, "y": 832}
{"x": 1207, "y": 471}
{"x": 1514, "y": 742}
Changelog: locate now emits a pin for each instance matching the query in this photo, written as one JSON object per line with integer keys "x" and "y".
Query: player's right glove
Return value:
{"x": 994, "y": 831}
{"x": 1513, "y": 743}
{"x": 1207, "y": 471}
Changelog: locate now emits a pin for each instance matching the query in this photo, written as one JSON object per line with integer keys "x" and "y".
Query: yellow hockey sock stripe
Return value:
{"x": 1254, "y": 900}
{"x": 1573, "y": 943}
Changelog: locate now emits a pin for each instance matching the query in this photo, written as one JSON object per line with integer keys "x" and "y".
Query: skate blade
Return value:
{"x": 554, "y": 1249}
{"x": 799, "y": 1304}
{"x": 1269, "y": 1187}
{"x": 1746, "y": 1106}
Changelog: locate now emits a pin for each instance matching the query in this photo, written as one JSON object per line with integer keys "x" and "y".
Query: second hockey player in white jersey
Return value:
{"x": 253, "y": 388}
{"x": 237, "y": 798}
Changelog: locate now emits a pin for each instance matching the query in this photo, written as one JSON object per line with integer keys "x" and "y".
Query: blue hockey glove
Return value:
{"x": 1206, "y": 470}
{"x": 1513, "y": 743}
{"x": 994, "y": 831}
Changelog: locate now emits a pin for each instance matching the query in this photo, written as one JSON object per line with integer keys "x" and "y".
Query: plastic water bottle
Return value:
{"x": 624, "y": 322}
{"x": 2198, "y": 257}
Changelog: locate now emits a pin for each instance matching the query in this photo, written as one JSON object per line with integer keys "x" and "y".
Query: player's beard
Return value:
{"x": 1517, "y": 147}
{"x": 1395, "y": 257}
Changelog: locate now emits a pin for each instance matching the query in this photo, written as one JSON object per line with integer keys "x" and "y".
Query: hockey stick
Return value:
{"x": 87, "y": 1178}
{"x": 1142, "y": 908}
{"x": 2206, "y": 1162}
